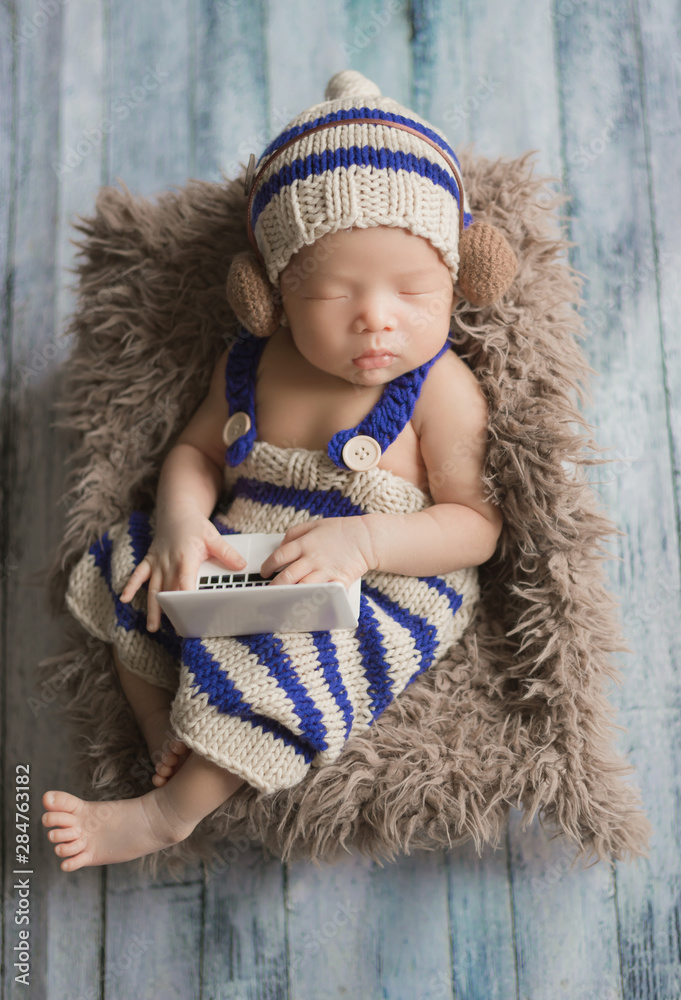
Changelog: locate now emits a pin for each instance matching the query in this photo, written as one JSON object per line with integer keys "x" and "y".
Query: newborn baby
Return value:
{"x": 351, "y": 425}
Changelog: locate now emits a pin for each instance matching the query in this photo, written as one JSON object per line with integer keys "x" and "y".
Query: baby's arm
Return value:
{"x": 188, "y": 488}
{"x": 462, "y": 528}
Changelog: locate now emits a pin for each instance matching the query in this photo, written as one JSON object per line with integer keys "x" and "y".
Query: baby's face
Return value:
{"x": 380, "y": 290}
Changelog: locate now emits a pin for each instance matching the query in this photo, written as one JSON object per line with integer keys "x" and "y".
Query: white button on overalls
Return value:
{"x": 361, "y": 452}
{"x": 237, "y": 425}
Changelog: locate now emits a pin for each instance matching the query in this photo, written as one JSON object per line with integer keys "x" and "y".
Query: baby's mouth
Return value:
{"x": 374, "y": 359}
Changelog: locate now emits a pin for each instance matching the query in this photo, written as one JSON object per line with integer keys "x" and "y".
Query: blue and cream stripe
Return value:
{"x": 269, "y": 707}
{"x": 315, "y": 689}
{"x": 355, "y": 174}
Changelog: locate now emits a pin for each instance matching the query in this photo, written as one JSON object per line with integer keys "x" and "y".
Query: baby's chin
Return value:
{"x": 373, "y": 376}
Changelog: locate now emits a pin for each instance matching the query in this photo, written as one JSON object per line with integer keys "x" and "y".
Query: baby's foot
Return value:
{"x": 166, "y": 751}
{"x": 105, "y": 833}
{"x": 169, "y": 760}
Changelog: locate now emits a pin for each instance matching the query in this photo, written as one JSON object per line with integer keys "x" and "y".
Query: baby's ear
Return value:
{"x": 487, "y": 265}
{"x": 255, "y": 301}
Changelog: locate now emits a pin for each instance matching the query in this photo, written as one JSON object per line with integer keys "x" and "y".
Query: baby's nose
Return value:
{"x": 375, "y": 313}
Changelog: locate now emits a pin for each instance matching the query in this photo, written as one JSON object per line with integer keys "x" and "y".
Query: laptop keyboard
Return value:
{"x": 230, "y": 581}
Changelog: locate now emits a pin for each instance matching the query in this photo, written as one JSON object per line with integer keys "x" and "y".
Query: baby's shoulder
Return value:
{"x": 450, "y": 388}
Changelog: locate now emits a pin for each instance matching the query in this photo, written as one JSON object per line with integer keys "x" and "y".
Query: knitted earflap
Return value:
{"x": 487, "y": 264}
{"x": 256, "y": 303}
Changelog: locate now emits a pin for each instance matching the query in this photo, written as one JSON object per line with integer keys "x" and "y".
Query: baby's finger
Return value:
{"x": 295, "y": 572}
{"x": 140, "y": 574}
{"x": 153, "y": 607}
{"x": 281, "y": 557}
{"x": 186, "y": 578}
{"x": 296, "y": 530}
{"x": 219, "y": 547}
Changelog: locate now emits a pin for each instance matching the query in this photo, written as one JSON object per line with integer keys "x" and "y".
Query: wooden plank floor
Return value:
{"x": 191, "y": 88}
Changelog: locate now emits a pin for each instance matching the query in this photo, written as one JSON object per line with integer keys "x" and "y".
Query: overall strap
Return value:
{"x": 242, "y": 365}
{"x": 384, "y": 423}
{"x": 390, "y": 415}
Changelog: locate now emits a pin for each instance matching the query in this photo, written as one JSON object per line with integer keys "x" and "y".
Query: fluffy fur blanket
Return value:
{"x": 518, "y": 715}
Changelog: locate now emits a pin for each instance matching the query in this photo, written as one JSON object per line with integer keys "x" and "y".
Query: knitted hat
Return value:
{"x": 359, "y": 160}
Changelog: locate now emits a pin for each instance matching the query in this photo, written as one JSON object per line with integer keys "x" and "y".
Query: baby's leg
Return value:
{"x": 151, "y": 707}
{"x": 105, "y": 833}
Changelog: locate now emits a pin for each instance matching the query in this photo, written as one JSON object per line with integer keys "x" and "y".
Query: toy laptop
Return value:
{"x": 226, "y": 602}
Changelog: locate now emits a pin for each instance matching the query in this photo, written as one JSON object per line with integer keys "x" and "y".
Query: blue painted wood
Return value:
{"x": 303, "y": 50}
{"x": 151, "y": 97}
{"x": 511, "y": 87}
{"x": 232, "y": 114}
{"x": 83, "y": 135}
{"x": 481, "y": 921}
{"x": 75, "y": 901}
{"x": 32, "y": 473}
{"x": 440, "y": 90}
{"x": 562, "y": 913}
{"x": 410, "y": 911}
{"x": 332, "y": 931}
{"x": 244, "y": 929}
{"x": 608, "y": 163}
{"x": 377, "y": 42}
{"x": 657, "y": 23}
{"x": 153, "y": 942}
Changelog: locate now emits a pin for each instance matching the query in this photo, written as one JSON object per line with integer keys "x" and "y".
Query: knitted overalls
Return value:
{"x": 269, "y": 706}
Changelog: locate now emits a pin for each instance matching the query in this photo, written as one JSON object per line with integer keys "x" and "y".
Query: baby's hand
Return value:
{"x": 172, "y": 562}
{"x": 331, "y": 548}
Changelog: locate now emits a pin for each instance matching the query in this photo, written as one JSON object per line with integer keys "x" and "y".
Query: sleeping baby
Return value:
{"x": 339, "y": 415}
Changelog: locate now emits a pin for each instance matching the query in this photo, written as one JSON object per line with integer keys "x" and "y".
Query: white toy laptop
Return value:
{"x": 229, "y": 602}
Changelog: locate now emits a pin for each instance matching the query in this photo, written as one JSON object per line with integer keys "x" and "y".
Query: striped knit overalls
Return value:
{"x": 269, "y": 706}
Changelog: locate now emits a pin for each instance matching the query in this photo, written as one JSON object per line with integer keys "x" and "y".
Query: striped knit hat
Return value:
{"x": 330, "y": 169}
{"x": 358, "y": 160}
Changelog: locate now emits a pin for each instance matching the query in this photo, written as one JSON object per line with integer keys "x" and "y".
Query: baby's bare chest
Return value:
{"x": 292, "y": 413}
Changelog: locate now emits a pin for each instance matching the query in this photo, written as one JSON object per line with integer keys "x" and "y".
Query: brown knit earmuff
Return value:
{"x": 487, "y": 264}
{"x": 256, "y": 303}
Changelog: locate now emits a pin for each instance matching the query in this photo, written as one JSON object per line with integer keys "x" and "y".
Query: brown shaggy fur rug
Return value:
{"x": 518, "y": 714}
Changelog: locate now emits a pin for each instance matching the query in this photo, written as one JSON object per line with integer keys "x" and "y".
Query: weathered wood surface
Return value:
{"x": 191, "y": 88}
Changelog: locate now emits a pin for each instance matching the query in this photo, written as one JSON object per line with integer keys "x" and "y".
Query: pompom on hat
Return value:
{"x": 358, "y": 160}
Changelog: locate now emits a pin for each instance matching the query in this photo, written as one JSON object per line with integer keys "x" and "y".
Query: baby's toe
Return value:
{"x": 158, "y": 780}
{"x": 54, "y": 799}
{"x": 69, "y": 850}
{"x": 65, "y": 820}
{"x": 73, "y": 864}
{"x": 61, "y": 801}
{"x": 67, "y": 834}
